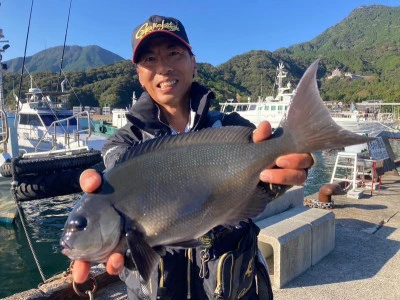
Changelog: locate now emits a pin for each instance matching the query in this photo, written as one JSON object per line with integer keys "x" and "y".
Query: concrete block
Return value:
{"x": 297, "y": 238}
{"x": 322, "y": 224}
{"x": 292, "y": 198}
{"x": 355, "y": 194}
{"x": 372, "y": 185}
{"x": 291, "y": 244}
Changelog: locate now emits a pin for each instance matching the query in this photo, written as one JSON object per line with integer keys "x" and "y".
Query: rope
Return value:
{"x": 72, "y": 88}
{"x": 314, "y": 203}
{"x": 23, "y": 63}
{"x": 65, "y": 37}
{"x": 14, "y": 184}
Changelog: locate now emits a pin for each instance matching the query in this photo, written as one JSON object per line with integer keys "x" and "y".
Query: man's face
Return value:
{"x": 166, "y": 70}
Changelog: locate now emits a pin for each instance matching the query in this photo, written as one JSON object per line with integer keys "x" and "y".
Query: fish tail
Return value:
{"x": 309, "y": 126}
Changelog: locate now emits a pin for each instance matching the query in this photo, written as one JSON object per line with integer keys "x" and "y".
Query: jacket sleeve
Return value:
{"x": 235, "y": 119}
{"x": 119, "y": 143}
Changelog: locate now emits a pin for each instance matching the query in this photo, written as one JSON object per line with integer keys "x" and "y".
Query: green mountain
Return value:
{"x": 75, "y": 58}
{"x": 366, "y": 43}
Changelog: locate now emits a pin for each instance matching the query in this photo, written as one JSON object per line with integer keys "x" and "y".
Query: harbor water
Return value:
{"x": 45, "y": 220}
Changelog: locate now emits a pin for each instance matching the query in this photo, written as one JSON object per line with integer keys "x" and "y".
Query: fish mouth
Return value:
{"x": 87, "y": 254}
{"x": 66, "y": 246}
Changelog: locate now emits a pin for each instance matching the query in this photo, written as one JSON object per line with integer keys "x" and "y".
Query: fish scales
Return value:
{"x": 194, "y": 173}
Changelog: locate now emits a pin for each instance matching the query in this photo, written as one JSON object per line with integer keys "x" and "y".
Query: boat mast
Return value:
{"x": 2, "y": 67}
{"x": 280, "y": 76}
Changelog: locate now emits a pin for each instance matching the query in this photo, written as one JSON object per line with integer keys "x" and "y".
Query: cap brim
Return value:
{"x": 154, "y": 34}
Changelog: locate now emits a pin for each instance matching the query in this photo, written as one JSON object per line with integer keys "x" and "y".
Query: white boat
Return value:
{"x": 365, "y": 118}
{"x": 271, "y": 108}
{"x": 44, "y": 123}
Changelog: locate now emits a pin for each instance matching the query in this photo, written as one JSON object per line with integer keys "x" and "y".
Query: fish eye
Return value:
{"x": 79, "y": 223}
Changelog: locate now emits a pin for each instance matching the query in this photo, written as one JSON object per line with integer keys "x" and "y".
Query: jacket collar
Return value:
{"x": 145, "y": 113}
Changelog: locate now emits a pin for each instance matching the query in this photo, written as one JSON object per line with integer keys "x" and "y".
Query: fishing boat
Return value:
{"x": 45, "y": 123}
{"x": 271, "y": 108}
{"x": 45, "y": 147}
{"x": 53, "y": 146}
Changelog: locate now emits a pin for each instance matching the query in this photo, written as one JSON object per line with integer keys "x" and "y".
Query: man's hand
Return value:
{"x": 90, "y": 181}
{"x": 292, "y": 166}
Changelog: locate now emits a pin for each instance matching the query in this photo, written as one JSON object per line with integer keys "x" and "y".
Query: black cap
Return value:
{"x": 156, "y": 25}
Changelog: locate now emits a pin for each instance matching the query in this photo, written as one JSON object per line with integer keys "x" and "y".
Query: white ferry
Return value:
{"x": 271, "y": 108}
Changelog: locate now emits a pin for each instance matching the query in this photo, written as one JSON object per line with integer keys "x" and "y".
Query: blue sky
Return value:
{"x": 217, "y": 29}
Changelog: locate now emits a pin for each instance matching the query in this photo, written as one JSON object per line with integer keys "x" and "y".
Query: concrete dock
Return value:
{"x": 365, "y": 263}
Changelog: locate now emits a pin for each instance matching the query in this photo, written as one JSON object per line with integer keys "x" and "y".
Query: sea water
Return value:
{"x": 45, "y": 220}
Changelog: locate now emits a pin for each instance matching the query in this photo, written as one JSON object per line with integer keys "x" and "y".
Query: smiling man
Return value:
{"x": 174, "y": 103}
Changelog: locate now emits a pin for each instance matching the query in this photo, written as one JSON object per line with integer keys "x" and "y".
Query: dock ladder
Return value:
{"x": 353, "y": 167}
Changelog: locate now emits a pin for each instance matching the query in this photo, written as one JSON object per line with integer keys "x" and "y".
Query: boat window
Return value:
{"x": 273, "y": 107}
{"x": 286, "y": 107}
{"x": 29, "y": 119}
{"x": 252, "y": 107}
{"x": 280, "y": 107}
{"x": 48, "y": 119}
{"x": 266, "y": 107}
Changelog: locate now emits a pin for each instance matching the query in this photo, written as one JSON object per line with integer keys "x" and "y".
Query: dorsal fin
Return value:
{"x": 207, "y": 136}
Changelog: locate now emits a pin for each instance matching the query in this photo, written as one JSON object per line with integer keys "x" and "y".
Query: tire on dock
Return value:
{"x": 51, "y": 184}
{"x": 45, "y": 164}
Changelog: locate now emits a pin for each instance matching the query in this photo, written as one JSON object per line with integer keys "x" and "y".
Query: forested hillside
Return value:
{"x": 366, "y": 43}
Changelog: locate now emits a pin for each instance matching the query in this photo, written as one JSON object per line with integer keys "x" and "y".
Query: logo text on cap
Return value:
{"x": 146, "y": 28}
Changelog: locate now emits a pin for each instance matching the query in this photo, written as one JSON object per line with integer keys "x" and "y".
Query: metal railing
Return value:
{"x": 4, "y": 133}
{"x": 68, "y": 137}
{"x": 4, "y": 127}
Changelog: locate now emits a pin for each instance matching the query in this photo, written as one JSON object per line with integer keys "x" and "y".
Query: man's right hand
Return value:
{"x": 90, "y": 181}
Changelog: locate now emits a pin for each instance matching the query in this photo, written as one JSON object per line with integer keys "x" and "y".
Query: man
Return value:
{"x": 172, "y": 104}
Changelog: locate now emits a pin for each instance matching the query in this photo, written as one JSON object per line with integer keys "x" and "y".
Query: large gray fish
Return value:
{"x": 174, "y": 189}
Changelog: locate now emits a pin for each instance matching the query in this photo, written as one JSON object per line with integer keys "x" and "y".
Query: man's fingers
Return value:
{"x": 291, "y": 169}
{"x": 80, "y": 271}
{"x": 284, "y": 176}
{"x": 90, "y": 180}
{"x": 262, "y": 132}
{"x": 115, "y": 264}
{"x": 295, "y": 161}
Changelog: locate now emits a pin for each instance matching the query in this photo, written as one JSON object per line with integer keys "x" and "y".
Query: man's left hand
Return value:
{"x": 291, "y": 167}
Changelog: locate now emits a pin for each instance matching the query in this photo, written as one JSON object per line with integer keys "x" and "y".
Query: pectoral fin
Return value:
{"x": 144, "y": 257}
